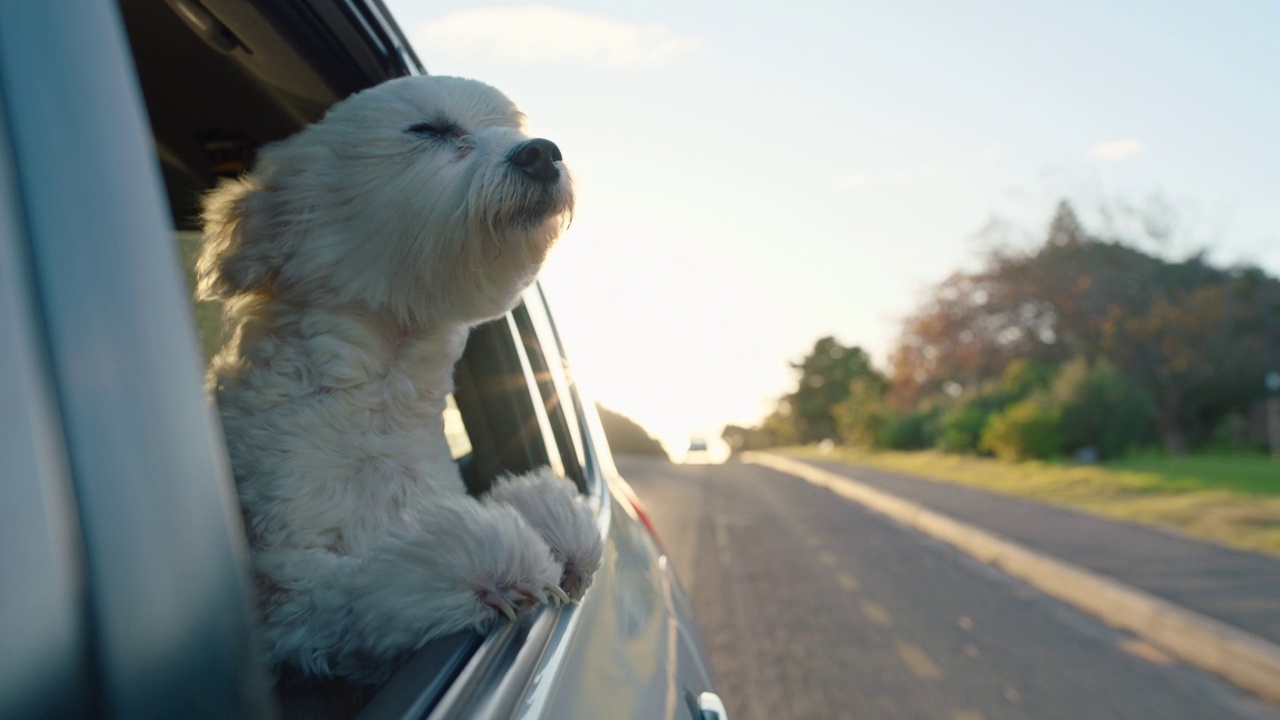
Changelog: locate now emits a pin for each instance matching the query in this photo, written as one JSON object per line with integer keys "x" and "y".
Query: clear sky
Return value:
{"x": 754, "y": 176}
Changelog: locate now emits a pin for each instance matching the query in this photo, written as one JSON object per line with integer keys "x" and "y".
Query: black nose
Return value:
{"x": 537, "y": 158}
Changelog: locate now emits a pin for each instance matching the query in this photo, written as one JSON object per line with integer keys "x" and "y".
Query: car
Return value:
{"x": 124, "y": 583}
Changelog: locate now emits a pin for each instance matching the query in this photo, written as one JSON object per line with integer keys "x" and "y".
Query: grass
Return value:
{"x": 1247, "y": 474}
{"x": 1229, "y": 499}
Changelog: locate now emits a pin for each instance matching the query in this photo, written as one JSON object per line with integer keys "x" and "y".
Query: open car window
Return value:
{"x": 211, "y": 107}
{"x": 504, "y": 417}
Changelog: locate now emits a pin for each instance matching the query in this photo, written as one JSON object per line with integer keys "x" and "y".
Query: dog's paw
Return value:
{"x": 554, "y": 509}
{"x": 457, "y": 564}
{"x": 510, "y": 600}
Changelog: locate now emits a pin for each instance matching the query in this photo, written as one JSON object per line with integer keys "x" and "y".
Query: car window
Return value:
{"x": 208, "y": 314}
{"x": 196, "y": 97}
{"x": 212, "y": 334}
{"x": 554, "y": 382}
{"x": 455, "y": 430}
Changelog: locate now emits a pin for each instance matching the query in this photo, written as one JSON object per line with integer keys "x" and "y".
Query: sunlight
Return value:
{"x": 665, "y": 330}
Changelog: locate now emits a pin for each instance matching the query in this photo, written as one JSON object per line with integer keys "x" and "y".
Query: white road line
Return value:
{"x": 1241, "y": 657}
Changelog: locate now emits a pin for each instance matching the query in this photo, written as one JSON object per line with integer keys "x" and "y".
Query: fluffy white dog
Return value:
{"x": 352, "y": 261}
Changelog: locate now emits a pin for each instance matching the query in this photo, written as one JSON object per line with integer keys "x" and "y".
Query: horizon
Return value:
{"x": 746, "y": 188}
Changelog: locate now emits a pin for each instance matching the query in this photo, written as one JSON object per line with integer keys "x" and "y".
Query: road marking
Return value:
{"x": 1242, "y": 658}
{"x": 918, "y": 661}
{"x": 965, "y": 622}
{"x": 848, "y": 582}
{"x": 813, "y": 541}
{"x": 967, "y": 715}
{"x": 1146, "y": 651}
{"x": 722, "y": 532}
{"x": 828, "y": 559}
{"x": 876, "y": 613}
{"x": 722, "y": 540}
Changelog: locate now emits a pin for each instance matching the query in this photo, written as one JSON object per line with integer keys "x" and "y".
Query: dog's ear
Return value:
{"x": 246, "y": 241}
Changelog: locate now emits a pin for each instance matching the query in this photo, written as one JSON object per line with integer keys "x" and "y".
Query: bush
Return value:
{"x": 1027, "y": 429}
{"x": 1099, "y": 409}
{"x": 861, "y": 417}
{"x": 912, "y": 431}
{"x": 961, "y": 429}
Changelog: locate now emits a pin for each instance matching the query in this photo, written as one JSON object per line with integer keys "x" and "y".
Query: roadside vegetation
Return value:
{"x": 1078, "y": 369}
{"x": 1229, "y": 499}
{"x": 628, "y": 437}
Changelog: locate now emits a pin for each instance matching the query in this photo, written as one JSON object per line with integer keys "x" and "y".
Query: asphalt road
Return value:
{"x": 813, "y": 607}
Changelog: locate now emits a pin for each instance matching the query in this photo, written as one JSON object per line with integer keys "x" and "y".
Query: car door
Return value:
{"x": 144, "y": 603}
{"x": 123, "y": 590}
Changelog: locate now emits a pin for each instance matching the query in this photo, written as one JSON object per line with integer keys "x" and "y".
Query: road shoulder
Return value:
{"x": 1245, "y": 658}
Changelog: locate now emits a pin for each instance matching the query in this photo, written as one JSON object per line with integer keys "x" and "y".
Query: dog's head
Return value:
{"x": 420, "y": 196}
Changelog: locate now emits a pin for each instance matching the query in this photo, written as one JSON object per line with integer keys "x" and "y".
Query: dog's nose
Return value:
{"x": 537, "y": 158}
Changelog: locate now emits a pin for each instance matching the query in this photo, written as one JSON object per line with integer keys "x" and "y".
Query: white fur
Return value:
{"x": 352, "y": 261}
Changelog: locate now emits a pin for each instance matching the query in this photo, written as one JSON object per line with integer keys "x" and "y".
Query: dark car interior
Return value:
{"x": 223, "y": 77}
{"x": 220, "y": 79}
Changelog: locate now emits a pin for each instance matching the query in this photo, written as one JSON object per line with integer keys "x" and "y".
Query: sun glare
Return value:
{"x": 662, "y": 328}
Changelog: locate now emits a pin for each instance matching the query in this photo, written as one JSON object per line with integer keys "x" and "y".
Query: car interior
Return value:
{"x": 222, "y": 78}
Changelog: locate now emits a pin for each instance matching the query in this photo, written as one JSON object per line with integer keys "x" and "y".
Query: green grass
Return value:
{"x": 1247, "y": 474}
{"x": 1230, "y": 499}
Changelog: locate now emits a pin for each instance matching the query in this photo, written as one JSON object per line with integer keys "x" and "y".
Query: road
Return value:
{"x": 813, "y": 607}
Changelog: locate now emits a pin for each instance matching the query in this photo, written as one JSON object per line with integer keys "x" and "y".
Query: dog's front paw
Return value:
{"x": 458, "y": 564}
{"x": 511, "y": 599}
{"x": 511, "y": 571}
{"x": 556, "y": 511}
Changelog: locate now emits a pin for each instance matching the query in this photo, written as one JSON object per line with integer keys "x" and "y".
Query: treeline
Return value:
{"x": 626, "y": 436}
{"x": 1081, "y": 345}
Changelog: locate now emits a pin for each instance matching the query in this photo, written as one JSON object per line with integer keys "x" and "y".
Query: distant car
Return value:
{"x": 124, "y": 590}
{"x": 697, "y": 445}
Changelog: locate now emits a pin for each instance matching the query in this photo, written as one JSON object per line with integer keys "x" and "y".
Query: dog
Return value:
{"x": 351, "y": 261}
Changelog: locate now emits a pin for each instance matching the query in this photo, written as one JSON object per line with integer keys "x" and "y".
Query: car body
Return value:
{"x": 124, "y": 586}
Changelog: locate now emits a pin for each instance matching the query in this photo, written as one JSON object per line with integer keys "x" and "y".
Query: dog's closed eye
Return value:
{"x": 438, "y": 129}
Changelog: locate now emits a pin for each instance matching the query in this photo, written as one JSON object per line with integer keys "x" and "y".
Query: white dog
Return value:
{"x": 352, "y": 261}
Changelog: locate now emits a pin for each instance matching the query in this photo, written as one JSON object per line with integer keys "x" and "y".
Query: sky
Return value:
{"x": 752, "y": 177}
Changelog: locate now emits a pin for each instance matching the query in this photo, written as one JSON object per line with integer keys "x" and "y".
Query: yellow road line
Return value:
{"x": 848, "y": 582}
{"x": 876, "y": 613}
{"x": 918, "y": 661}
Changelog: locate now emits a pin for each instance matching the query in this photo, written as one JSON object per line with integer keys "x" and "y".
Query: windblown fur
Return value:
{"x": 352, "y": 261}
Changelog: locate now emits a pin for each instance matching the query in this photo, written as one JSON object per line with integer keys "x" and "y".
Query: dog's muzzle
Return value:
{"x": 537, "y": 158}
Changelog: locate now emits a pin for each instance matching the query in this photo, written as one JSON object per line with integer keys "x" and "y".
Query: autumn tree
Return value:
{"x": 1195, "y": 356}
{"x": 1045, "y": 305}
{"x": 1192, "y": 337}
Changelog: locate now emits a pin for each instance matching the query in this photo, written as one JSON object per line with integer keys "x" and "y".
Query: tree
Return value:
{"x": 1194, "y": 357}
{"x": 741, "y": 439}
{"x": 1192, "y": 337}
{"x": 1099, "y": 408}
{"x": 626, "y": 436}
{"x": 825, "y": 375}
{"x": 861, "y": 418}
